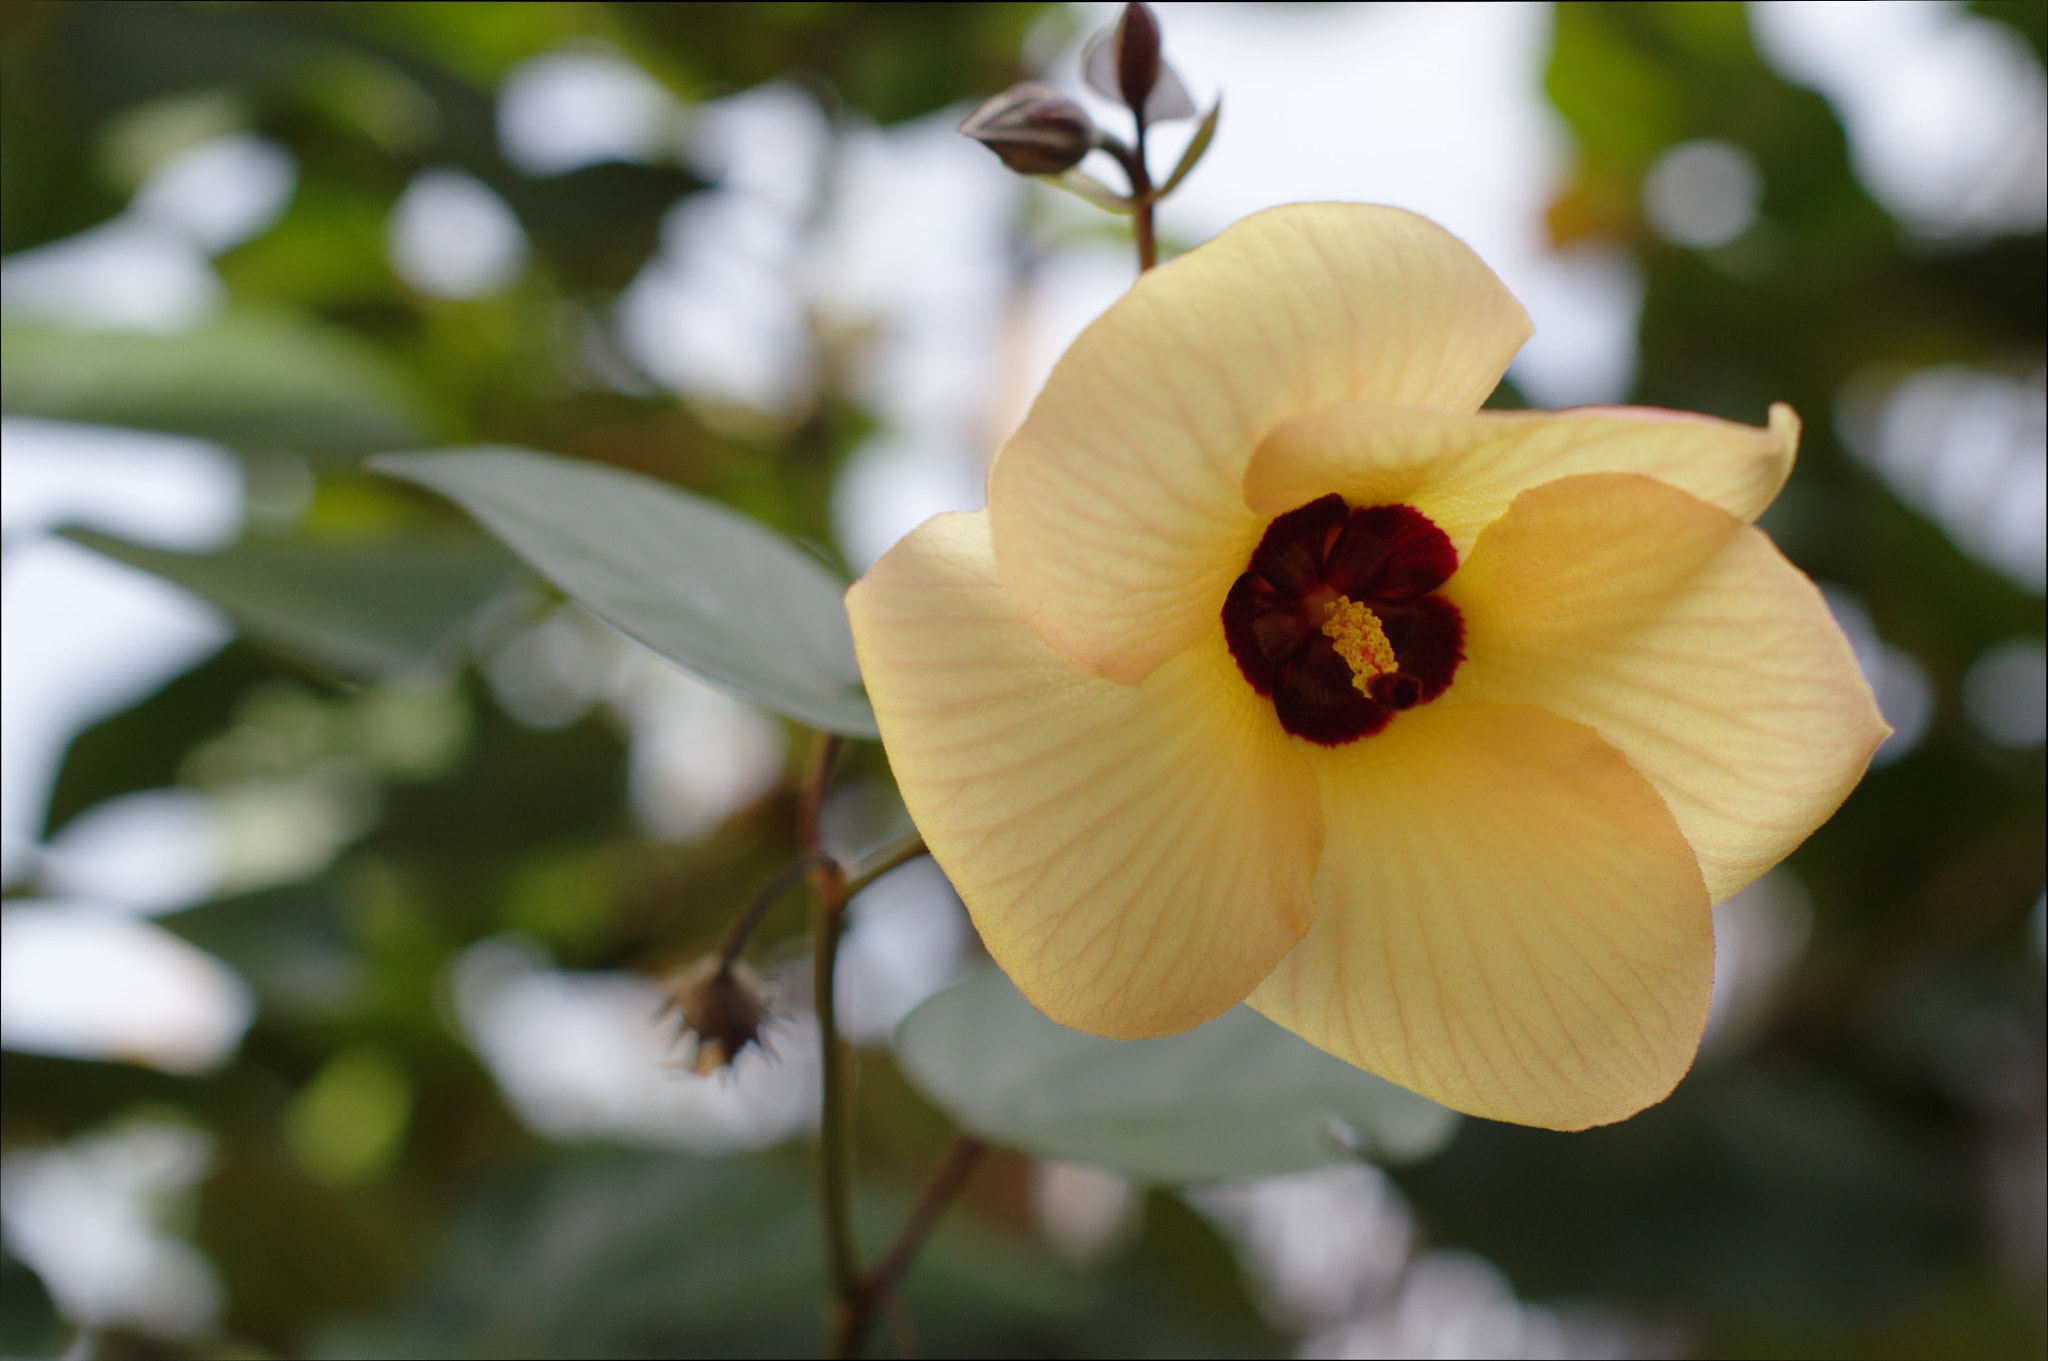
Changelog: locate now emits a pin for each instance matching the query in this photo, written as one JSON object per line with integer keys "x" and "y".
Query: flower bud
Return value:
{"x": 722, "y": 1007}
{"x": 1034, "y": 128}
{"x": 1124, "y": 64}
{"x": 1137, "y": 53}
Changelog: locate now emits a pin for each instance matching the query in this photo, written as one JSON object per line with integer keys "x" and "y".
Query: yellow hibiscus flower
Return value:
{"x": 1276, "y": 671}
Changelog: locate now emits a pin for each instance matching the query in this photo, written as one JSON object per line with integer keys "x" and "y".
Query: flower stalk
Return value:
{"x": 856, "y": 1295}
{"x": 1142, "y": 196}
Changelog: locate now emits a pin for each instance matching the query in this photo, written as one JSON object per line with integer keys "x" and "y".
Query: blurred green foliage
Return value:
{"x": 1820, "y": 1192}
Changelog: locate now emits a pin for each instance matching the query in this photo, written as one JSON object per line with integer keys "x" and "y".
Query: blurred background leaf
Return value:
{"x": 448, "y": 830}
{"x": 364, "y": 609}
{"x": 252, "y": 381}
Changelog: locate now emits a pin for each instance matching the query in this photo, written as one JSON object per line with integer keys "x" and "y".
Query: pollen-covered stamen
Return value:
{"x": 1337, "y": 619}
{"x": 1361, "y": 641}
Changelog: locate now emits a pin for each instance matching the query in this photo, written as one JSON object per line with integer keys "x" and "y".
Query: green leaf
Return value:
{"x": 711, "y": 590}
{"x": 374, "y": 608}
{"x": 252, "y": 380}
{"x": 1237, "y": 1097}
{"x": 1192, "y": 157}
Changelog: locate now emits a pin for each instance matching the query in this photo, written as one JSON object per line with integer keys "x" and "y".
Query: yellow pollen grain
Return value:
{"x": 1360, "y": 641}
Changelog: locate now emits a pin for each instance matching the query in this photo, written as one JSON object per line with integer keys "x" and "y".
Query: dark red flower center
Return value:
{"x": 1336, "y": 617}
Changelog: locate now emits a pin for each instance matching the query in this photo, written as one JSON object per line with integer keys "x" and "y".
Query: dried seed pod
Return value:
{"x": 722, "y": 1007}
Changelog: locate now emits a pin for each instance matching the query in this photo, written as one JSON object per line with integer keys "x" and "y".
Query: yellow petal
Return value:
{"x": 1462, "y": 470}
{"x": 1507, "y": 921}
{"x": 1686, "y": 640}
{"x": 1118, "y": 507}
{"x": 1136, "y": 857}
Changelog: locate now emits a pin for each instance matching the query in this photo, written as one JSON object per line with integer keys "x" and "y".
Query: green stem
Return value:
{"x": 835, "y": 1130}
{"x": 835, "y": 1134}
{"x": 856, "y": 1297}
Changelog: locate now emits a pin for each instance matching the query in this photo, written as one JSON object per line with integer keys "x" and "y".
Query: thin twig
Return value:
{"x": 744, "y": 924}
{"x": 811, "y": 799}
{"x": 946, "y": 1183}
{"x": 880, "y": 1285}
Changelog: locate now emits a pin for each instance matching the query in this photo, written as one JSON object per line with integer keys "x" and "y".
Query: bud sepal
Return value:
{"x": 1124, "y": 63}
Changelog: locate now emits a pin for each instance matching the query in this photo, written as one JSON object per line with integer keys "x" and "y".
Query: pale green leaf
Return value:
{"x": 714, "y": 592}
{"x": 1237, "y": 1097}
